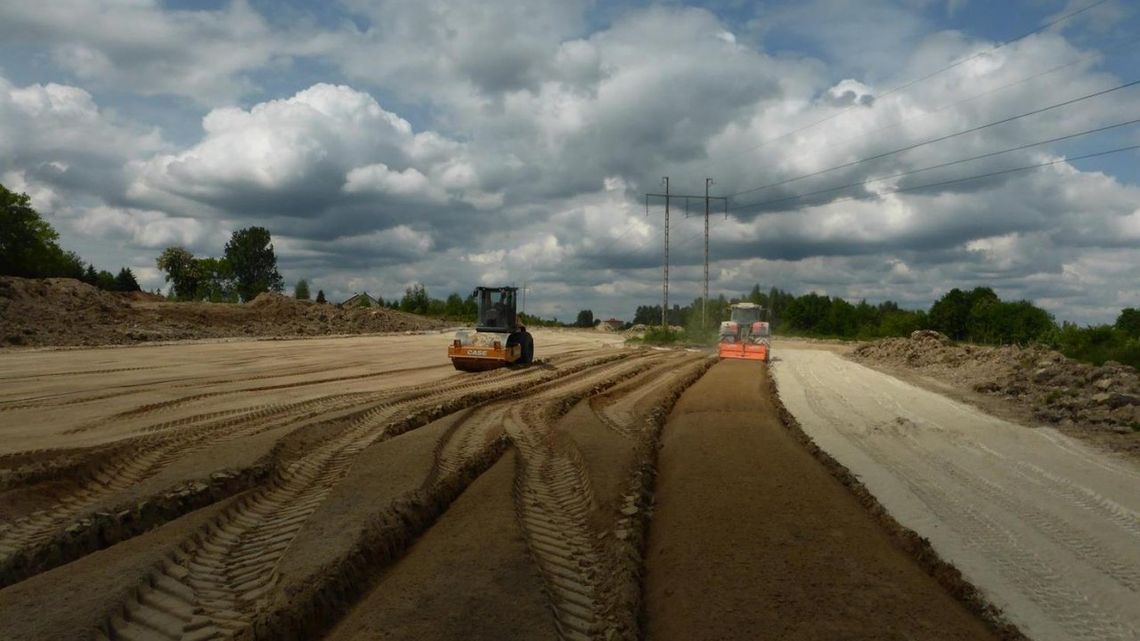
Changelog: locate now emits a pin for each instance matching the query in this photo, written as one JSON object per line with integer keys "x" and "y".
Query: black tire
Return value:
{"x": 527, "y": 342}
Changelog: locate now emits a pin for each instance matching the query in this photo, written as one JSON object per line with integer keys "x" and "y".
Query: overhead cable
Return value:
{"x": 1001, "y": 172}
{"x": 991, "y": 154}
{"x": 912, "y": 82}
{"x": 939, "y": 138}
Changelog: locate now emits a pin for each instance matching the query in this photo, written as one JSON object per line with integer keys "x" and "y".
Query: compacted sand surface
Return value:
{"x": 1047, "y": 527}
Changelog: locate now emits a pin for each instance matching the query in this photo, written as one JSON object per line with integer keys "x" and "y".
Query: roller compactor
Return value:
{"x": 498, "y": 340}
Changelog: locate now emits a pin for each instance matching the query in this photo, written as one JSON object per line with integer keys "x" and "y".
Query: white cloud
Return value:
{"x": 139, "y": 45}
{"x": 536, "y": 134}
{"x": 302, "y": 155}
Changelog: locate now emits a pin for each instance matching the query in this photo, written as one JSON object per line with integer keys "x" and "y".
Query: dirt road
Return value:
{"x": 1048, "y": 528}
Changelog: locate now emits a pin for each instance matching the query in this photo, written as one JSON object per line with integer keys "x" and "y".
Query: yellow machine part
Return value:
{"x": 745, "y": 351}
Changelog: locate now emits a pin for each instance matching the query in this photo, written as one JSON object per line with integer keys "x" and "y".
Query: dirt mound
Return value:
{"x": 62, "y": 311}
{"x": 55, "y": 311}
{"x": 1056, "y": 389}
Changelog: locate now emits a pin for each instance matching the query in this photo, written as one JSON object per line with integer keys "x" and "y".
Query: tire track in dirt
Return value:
{"x": 1077, "y": 612}
{"x": 554, "y": 498}
{"x": 618, "y": 408}
{"x": 1074, "y": 610}
{"x": 55, "y": 401}
{"x": 80, "y": 373}
{"x": 160, "y": 406}
{"x": 219, "y": 582}
{"x": 1062, "y": 533}
{"x": 145, "y": 459}
{"x": 1126, "y": 519}
{"x": 151, "y": 454}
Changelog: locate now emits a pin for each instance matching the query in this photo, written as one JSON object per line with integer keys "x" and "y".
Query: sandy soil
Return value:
{"x": 1047, "y": 527}
{"x": 798, "y": 558}
{"x": 429, "y": 594}
{"x": 360, "y": 488}
{"x": 95, "y": 431}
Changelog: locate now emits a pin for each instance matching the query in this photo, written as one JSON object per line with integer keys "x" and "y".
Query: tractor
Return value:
{"x": 745, "y": 335}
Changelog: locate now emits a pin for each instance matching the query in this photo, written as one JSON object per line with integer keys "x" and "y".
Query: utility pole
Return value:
{"x": 668, "y": 197}
{"x": 665, "y": 290}
{"x": 524, "y": 296}
{"x": 705, "y": 299}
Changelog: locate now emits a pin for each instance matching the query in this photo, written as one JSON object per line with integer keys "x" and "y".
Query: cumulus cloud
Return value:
{"x": 140, "y": 46}
{"x": 537, "y": 131}
{"x": 326, "y": 148}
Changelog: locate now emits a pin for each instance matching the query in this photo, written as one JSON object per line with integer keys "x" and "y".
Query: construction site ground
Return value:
{"x": 361, "y": 488}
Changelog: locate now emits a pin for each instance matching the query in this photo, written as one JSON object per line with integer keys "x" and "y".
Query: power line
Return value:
{"x": 939, "y": 138}
{"x": 1008, "y": 85}
{"x": 911, "y": 83}
{"x": 938, "y": 166}
{"x": 1001, "y": 172}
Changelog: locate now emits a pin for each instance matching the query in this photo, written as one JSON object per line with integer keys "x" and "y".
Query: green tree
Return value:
{"x": 1129, "y": 322}
{"x": 808, "y": 313}
{"x": 301, "y": 290}
{"x": 181, "y": 271}
{"x": 254, "y": 265}
{"x": 951, "y": 314}
{"x": 453, "y": 307}
{"x": 105, "y": 281}
{"x": 125, "y": 281}
{"x": 415, "y": 300}
{"x": 28, "y": 243}
{"x": 321, "y": 297}
{"x": 585, "y": 318}
{"x": 215, "y": 280}
{"x": 647, "y": 315}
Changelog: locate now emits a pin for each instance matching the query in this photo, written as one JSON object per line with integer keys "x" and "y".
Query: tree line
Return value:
{"x": 29, "y": 248}
{"x": 977, "y": 316}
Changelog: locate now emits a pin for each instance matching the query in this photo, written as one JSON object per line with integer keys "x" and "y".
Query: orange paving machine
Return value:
{"x": 498, "y": 340}
{"x": 745, "y": 335}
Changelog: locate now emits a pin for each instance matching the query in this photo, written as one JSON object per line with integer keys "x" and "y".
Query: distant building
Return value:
{"x": 611, "y": 325}
{"x": 356, "y": 300}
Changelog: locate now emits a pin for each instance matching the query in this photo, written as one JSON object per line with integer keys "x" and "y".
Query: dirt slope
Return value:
{"x": 1044, "y": 385}
{"x": 752, "y": 538}
{"x": 62, "y": 311}
{"x": 1046, "y": 526}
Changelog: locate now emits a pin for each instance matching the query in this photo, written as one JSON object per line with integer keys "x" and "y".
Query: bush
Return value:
{"x": 662, "y": 336}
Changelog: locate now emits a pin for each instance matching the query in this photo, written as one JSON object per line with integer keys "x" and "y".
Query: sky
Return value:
{"x": 455, "y": 143}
